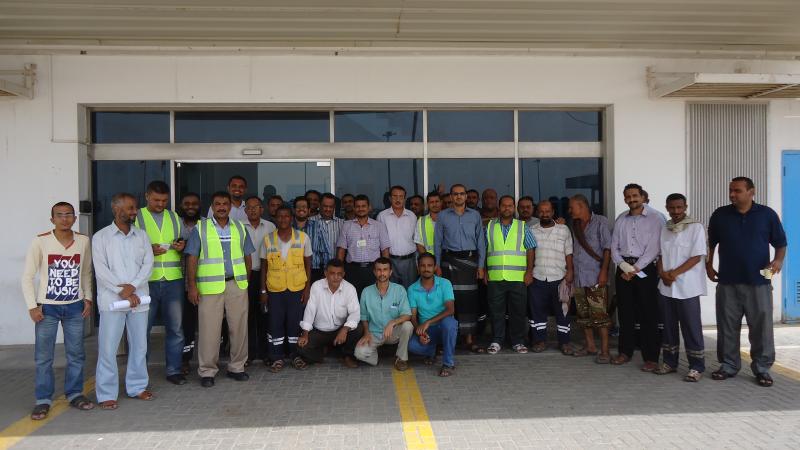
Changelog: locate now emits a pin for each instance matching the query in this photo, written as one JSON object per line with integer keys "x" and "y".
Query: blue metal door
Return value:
{"x": 791, "y": 222}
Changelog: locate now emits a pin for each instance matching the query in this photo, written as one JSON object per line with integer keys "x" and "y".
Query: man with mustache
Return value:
{"x": 237, "y": 189}
{"x": 423, "y": 235}
{"x": 189, "y": 211}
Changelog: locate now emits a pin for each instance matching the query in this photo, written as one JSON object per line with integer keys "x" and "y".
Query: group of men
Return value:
{"x": 290, "y": 283}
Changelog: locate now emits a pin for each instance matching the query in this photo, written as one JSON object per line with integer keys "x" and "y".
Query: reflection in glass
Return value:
{"x": 130, "y": 127}
{"x": 470, "y": 126}
{"x": 374, "y": 177}
{"x": 389, "y": 126}
{"x": 287, "y": 179}
{"x": 112, "y": 177}
{"x": 252, "y": 126}
{"x": 559, "y": 126}
{"x": 556, "y": 179}
{"x": 474, "y": 173}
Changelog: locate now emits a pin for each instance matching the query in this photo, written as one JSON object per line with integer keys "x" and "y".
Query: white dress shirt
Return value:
{"x": 676, "y": 248}
{"x": 328, "y": 311}
{"x": 553, "y": 244}
{"x": 121, "y": 258}
{"x": 257, "y": 234}
{"x": 401, "y": 231}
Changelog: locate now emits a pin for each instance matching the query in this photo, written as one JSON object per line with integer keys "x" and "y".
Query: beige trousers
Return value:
{"x": 232, "y": 303}
{"x": 400, "y": 336}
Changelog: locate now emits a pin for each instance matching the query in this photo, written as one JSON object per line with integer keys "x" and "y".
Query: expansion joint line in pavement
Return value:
{"x": 25, "y": 426}
{"x": 417, "y": 428}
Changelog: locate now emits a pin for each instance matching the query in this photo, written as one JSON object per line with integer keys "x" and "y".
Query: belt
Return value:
{"x": 408, "y": 256}
{"x": 228, "y": 278}
{"x": 632, "y": 260}
{"x": 461, "y": 253}
{"x": 361, "y": 264}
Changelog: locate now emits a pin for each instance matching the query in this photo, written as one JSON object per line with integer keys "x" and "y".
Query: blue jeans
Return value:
{"x": 445, "y": 332}
{"x": 46, "y": 331}
{"x": 166, "y": 298}
{"x": 112, "y": 324}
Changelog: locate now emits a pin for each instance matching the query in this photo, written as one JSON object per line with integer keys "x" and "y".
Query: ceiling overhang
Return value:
{"x": 724, "y": 85}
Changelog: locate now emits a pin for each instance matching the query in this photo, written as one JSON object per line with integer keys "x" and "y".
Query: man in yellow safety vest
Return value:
{"x": 426, "y": 224}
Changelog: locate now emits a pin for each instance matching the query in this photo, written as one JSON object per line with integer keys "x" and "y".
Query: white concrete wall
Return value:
{"x": 39, "y": 137}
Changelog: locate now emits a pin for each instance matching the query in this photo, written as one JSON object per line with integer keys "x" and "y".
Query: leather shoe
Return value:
{"x": 350, "y": 362}
{"x": 207, "y": 382}
{"x": 238, "y": 376}
{"x": 177, "y": 379}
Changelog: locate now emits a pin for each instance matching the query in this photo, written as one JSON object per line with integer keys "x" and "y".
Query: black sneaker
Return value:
{"x": 238, "y": 376}
{"x": 177, "y": 379}
{"x": 207, "y": 382}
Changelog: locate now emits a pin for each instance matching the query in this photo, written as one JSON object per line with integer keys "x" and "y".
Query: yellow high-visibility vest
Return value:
{"x": 288, "y": 274}
{"x": 425, "y": 226}
{"x": 506, "y": 259}
{"x": 211, "y": 264}
{"x": 168, "y": 265}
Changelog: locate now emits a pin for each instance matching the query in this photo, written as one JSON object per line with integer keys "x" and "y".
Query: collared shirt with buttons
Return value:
{"x": 430, "y": 303}
{"x": 401, "y": 231}
{"x": 329, "y": 233}
{"x": 598, "y": 236}
{"x": 637, "y": 237}
{"x": 553, "y": 244}
{"x": 329, "y": 311}
{"x": 459, "y": 232}
{"x": 364, "y": 244}
{"x": 379, "y": 309}
{"x": 257, "y": 235}
{"x": 118, "y": 259}
{"x": 193, "y": 245}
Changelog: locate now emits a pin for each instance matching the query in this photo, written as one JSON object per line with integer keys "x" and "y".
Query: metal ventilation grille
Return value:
{"x": 725, "y": 141}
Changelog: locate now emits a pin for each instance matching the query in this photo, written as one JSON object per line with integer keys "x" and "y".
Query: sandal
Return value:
{"x": 620, "y": 359}
{"x": 400, "y": 365}
{"x": 40, "y": 412}
{"x": 567, "y": 350}
{"x": 764, "y": 380}
{"x": 539, "y": 347}
{"x": 520, "y": 348}
{"x": 144, "y": 395}
{"x": 603, "y": 359}
{"x": 446, "y": 371}
{"x": 493, "y": 349}
{"x": 721, "y": 375}
{"x": 276, "y": 366}
{"x": 693, "y": 376}
{"x": 664, "y": 369}
{"x": 82, "y": 403}
{"x": 475, "y": 348}
{"x": 299, "y": 363}
{"x": 428, "y": 361}
{"x": 109, "y": 404}
{"x": 583, "y": 352}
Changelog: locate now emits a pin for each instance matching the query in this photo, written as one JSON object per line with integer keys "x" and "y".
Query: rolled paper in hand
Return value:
{"x": 627, "y": 268}
{"x": 766, "y": 273}
{"x": 120, "y": 305}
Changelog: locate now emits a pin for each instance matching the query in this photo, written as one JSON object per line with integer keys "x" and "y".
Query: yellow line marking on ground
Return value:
{"x": 776, "y": 368}
{"x": 25, "y": 426}
{"x": 417, "y": 428}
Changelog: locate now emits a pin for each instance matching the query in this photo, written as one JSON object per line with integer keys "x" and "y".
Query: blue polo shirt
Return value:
{"x": 744, "y": 241}
{"x": 430, "y": 304}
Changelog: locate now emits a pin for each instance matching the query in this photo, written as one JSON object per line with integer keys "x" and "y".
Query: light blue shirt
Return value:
{"x": 121, "y": 258}
{"x": 379, "y": 310}
{"x": 459, "y": 233}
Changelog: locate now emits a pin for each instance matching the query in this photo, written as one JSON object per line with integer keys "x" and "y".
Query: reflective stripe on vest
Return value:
{"x": 288, "y": 274}
{"x": 506, "y": 259}
{"x": 425, "y": 229}
{"x": 168, "y": 265}
{"x": 211, "y": 264}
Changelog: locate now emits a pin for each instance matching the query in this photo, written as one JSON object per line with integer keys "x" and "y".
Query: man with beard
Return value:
{"x": 744, "y": 231}
{"x": 634, "y": 249}
{"x": 329, "y": 226}
{"x": 552, "y": 265}
{"x": 509, "y": 262}
{"x": 417, "y": 205}
{"x": 472, "y": 199}
{"x": 166, "y": 281}
{"x": 348, "y": 205}
{"x": 460, "y": 249}
{"x": 314, "y": 197}
{"x": 237, "y": 189}
{"x": 189, "y": 211}
{"x": 257, "y": 229}
{"x": 123, "y": 260}
{"x": 362, "y": 241}
{"x": 274, "y": 202}
{"x": 423, "y": 235}
{"x": 489, "y": 209}
{"x": 302, "y": 222}
{"x": 525, "y": 210}
{"x": 400, "y": 224}
{"x": 432, "y": 308}
{"x": 447, "y": 201}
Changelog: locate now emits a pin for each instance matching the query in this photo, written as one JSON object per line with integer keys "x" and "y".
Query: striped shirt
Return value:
{"x": 329, "y": 233}
{"x": 363, "y": 244}
{"x": 553, "y": 246}
{"x": 314, "y": 233}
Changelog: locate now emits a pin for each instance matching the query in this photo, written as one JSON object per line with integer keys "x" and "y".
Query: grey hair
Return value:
{"x": 582, "y": 199}
{"x": 118, "y": 198}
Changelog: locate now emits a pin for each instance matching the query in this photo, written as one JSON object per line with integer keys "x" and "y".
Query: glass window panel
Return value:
{"x": 474, "y": 173}
{"x": 374, "y": 177}
{"x": 264, "y": 179}
{"x": 130, "y": 127}
{"x": 470, "y": 126}
{"x": 559, "y": 126}
{"x": 556, "y": 179}
{"x": 112, "y": 177}
{"x": 251, "y": 126}
{"x": 389, "y": 126}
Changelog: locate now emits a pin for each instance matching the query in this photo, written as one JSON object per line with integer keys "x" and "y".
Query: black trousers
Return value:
{"x": 314, "y": 351}
{"x": 639, "y": 298}
{"x": 256, "y": 320}
{"x": 360, "y": 277}
{"x": 317, "y": 274}
{"x": 189, "y": 329}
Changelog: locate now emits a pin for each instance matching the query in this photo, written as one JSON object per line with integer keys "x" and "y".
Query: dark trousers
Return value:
{"x": 285, "y": 313}
{"x": 256, "y": 320}
{"x": 189, "y": 329}
{"x": 360, "y": 277}
{"x": 639, "y": 298}
{"x": 404, "y": 271}
{"x": 543, "y": 301}
{"x": 461, "y": 272}
{"x": 484, "y": 310}
{"x": 314, "y": 351}
{"x": 317, "y": 274}
{"x": 508, "y": 296}
{"x": 753, "y": 302}
{"x": 683, "y": 314}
